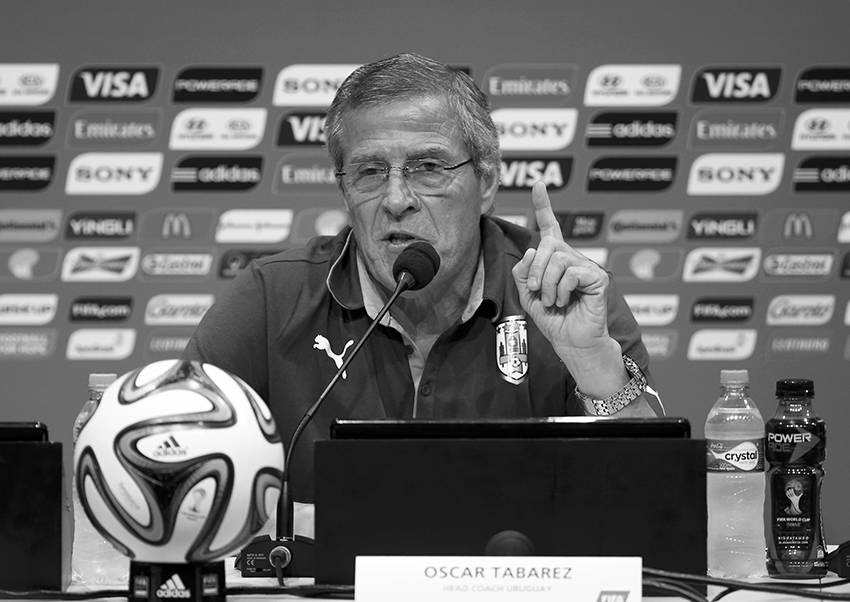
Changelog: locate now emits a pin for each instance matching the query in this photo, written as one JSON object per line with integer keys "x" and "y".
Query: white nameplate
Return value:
{"x": 514, "y": 578}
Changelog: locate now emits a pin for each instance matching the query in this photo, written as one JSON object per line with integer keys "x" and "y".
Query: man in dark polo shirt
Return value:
{"x": 512, "y": 325}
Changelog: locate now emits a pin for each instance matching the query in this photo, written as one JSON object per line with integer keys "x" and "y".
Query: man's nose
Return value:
{"x": 398, "y": 197}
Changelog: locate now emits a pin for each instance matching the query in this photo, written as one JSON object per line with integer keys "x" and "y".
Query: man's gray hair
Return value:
{"x": 408, "y": 76}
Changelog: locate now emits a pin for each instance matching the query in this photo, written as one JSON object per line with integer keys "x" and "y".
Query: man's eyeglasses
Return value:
{"x": 422, "y": 175}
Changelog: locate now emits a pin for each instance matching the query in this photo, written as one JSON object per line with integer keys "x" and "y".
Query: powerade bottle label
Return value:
{"x": 796, "y": 441}
{"x": 734, "y": 455}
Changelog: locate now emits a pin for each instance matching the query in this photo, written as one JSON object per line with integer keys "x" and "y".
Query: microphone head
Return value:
{"x": 420, "y": 260}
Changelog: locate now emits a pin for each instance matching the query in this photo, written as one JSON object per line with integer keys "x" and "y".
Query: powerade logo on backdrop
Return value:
{"x": 29, "y": 225}
{"x": 822, "y": 129}
{"x": 26, "y": 173}
{"x": 530, "y": 85}
{"x": 101, "y": 309}
{"x": 752, "y": 129}
{"x": 218, "y": 84}
{"x": 535, "y": 129}
{"x": 722, "y": 345}
{"x": 722, "y": 264}
{"x": 580, "y": 225}
{"x": 302, "y": 128}
{"x": 733, "y": 84}
{"x": 632, "y": 85}
{"x": 722, "y": 309}
{"x": 823, "y": 174}
{"x": 631, "y": 174}
{"x": 800, "y": 310}
{"x": 722, "y": 226}
{"x": 726, "y": 174}
{"x": 91, "y": 225}
{"x": 114, "y": 173}
{"x": 115, "y": 129}
{"x": 521, "y": 174}
{"x": 27, "y": 83}
{"x": 31, "y": 128}
{"x": 307, "y": 85}
{"x": 113, "y": 84}
{"x": 632, "y": 129}
{"x": 824, "y": 84}
{"x": 645, "y": 225}
{"x": 217, "y": 173}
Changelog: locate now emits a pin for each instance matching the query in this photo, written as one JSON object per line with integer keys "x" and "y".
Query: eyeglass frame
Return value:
{"x": 405, "y": 170}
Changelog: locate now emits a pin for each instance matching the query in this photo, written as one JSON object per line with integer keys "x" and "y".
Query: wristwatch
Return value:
{"x": 617, "y": 401}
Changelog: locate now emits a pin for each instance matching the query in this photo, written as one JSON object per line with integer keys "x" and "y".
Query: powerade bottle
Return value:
{"x": 796, "y": 449}
{"x": 734, "y": 433}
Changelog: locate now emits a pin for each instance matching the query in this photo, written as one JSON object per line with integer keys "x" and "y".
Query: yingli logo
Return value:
{"x": 114, "y": 173}
{"x": 724, "y": 174}
{"x": 535, "y": 129}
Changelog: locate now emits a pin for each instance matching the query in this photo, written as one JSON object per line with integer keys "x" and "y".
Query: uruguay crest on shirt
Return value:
{"x": 512, "y": 349}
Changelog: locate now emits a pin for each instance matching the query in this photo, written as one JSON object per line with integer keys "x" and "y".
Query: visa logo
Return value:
{"x": 737, "y": 85}
{"x": 305, "y": 128}
{"x": 115, "y": 84}
{"x": 522, "y": 173}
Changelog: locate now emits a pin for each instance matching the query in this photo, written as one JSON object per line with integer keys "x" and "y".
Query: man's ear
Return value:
{"x": 488, "y": 186}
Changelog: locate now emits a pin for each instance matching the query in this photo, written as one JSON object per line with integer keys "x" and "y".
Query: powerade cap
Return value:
{"x": 734, "y": 377}
{"x": 100, "y": 380}
{"x": 795, "y": 387}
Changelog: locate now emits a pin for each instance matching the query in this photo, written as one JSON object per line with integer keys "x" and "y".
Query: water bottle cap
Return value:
{"x": 734, "y": 377}
{"x": 795, "y": 387}
{"x": 101, "y": 380}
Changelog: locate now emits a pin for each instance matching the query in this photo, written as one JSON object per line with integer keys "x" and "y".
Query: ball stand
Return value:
{"x": 164, "y": 582}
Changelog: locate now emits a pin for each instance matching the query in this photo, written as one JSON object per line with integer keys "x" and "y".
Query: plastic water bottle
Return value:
{"x": 94, "y": 562}
{"x": 734, "y": 432}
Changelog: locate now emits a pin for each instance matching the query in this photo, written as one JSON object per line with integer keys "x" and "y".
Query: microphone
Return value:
{"x": 413, "y": 269}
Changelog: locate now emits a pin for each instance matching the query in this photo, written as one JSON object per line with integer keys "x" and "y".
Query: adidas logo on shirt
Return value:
{"x": 173, "y": 588}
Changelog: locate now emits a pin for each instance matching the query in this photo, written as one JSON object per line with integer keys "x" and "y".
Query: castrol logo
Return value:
{"x": 743, "y": 457}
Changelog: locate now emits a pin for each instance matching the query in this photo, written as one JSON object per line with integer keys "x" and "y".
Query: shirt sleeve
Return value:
{"x": 233, "y": 333}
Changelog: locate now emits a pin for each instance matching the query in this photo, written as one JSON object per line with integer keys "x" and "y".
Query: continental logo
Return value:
{"x": 798, "y": 264}
{"x": 27, "y": 344}
{"x": 822, "y": 129}
{"x": 217, "y": 84}
{"x": 529, "y": 85}
{"x": 101, "y": 309}
{"x": 26, "y": 173}
{"x": 306, "y": 85}
{"x": 177, "y": 310}
{"x": 748, "y": 129}
{"x": 114, "y": 173}
{"x": 722, "y": 264}
{"x": 660, "y": 343}
{"x": 722, "y": 344}
{"x": 645, "y": 225}
{"x": 100, "y": 225}
{"x": 723, "y": 226}
{"x": 217, "y": 173}
{"x": 823, "y": 174}
{"x": 580, "y": 225}
{"x": 725, "y": 174}
{"x": 118, "y": 130}
{"x": 800, "y": 310}
{"x": 535, "y": 129}
{"x": 29, "y": 225}
{"x": 234, "y": 260}
{"x": 631, "y": 174}
{"x": 302, "y": 128}
{"x": 217, "y": 129}
{"x": 113, "y": 84}
{"x": 100, "y": 264}
{"x": 27, "y": 84}
{"x": 732, "y": 84}
{"x": 521, "y": 174}
{"x": 823, "y": 84}
{"x": 306, "y": 171}
{"x": 653, "y": 310}
{"x": 177, "y": 264}
{"x": 28, "y": 310}
{"x": 632, "y": 129}
{"x": 256, "y": 226}
{"x": 722, "y": 309}
{"x": 632, "y": 85}
{"x": 101, "y": 344}
{"x": 26, "y": 128}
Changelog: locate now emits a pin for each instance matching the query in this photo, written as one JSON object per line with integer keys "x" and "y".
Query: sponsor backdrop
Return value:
{"x": 700, "y": 151}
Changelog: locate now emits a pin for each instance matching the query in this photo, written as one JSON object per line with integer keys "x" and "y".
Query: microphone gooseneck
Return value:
{"x": 413, "y": 269}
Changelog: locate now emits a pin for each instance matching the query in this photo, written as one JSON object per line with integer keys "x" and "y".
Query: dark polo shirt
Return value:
{"x": 265, "y": 328}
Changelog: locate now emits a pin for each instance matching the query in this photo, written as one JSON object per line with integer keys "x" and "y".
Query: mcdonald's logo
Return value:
{"x": 176, "y": 225}
{"x": 798, "y": 225}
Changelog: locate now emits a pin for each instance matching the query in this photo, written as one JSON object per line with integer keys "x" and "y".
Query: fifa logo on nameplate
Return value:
{"x": 512, "y": 349}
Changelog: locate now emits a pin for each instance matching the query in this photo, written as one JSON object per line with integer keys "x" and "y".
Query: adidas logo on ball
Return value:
{"x": 173, "y": 588}
{"x": 169, "y": 447}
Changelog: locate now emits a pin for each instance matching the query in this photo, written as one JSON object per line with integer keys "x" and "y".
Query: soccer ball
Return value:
{"x": 180, "y": 462}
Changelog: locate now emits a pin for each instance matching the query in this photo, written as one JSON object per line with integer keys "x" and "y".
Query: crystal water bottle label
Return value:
{"x": 734, "y": 455}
